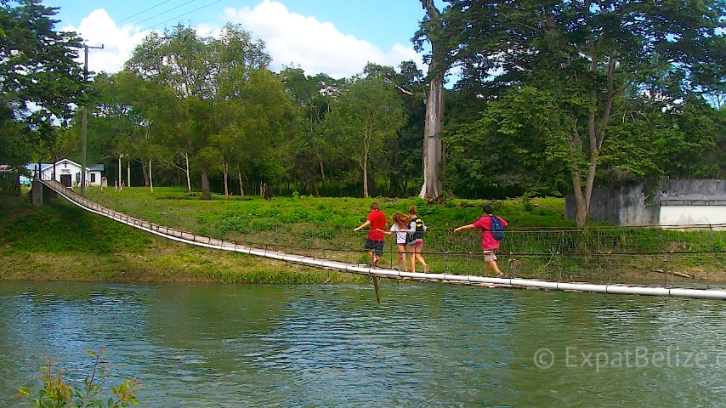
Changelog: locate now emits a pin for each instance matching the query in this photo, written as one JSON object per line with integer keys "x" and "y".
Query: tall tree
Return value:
{"x": 432, "y": 30}
{"x": 203, "y": 71}
{"x": 41, "y": 79}
{"x": 405, "y": 150}
{"x": 252, "y": 126}
{"x": 587, "y": 54}
{"x": 363, "y": 117}
{"x": 313, "y": 151}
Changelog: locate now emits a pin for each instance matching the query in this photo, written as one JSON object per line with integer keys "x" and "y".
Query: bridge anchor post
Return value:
{"x": 37, "y": 193}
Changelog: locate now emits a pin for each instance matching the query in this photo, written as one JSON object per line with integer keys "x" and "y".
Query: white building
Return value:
{"x": 66, "y": 172}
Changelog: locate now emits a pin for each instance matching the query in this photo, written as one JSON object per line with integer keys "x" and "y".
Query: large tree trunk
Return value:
{"x": 432, "y": 187}
{"x": 128, "y": 173}
{"x": 206, "y": 193}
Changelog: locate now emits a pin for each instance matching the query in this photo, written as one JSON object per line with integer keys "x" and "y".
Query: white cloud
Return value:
{"x": 118, "y": 43}
{"x": 312, "y": 45}
{"x": 290, "y": 39}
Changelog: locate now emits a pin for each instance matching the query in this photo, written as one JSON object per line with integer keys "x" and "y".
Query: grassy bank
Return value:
{"x": 61, "y": 242}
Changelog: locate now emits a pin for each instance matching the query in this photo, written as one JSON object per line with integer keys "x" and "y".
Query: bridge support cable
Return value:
{"x": 340, "y": 266}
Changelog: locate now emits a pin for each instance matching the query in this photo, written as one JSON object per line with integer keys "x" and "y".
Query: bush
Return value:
{"x": 57, "y": 393}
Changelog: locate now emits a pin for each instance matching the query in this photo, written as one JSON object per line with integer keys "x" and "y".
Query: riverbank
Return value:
{"x": 62, "y": 242}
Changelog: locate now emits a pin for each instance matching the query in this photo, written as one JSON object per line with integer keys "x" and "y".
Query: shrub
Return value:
{"x": 57, "y": 393}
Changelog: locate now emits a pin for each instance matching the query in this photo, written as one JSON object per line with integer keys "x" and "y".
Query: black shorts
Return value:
{"x": 376, "y": 246}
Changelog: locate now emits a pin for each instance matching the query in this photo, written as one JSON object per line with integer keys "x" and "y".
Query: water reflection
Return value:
{"x": 227, "y": 345}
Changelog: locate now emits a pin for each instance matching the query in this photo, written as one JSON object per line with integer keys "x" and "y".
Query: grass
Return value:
{"x": 60, "y": 241}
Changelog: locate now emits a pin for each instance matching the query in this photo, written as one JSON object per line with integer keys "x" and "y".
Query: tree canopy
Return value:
{"x": 583, "y": 61}
{"x": 225, "y": 97}
{"x": 40, "y": 82}
{"x": 546, "y": 97}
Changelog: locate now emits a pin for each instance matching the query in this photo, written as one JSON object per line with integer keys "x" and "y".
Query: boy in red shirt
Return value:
{"x": 488, "y": 244}
{"x": 374, "y": 243}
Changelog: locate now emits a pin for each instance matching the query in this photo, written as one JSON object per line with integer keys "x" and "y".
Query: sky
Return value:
{"x": 336, "y": 37}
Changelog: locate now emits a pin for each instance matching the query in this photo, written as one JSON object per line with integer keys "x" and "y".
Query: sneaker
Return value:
{"x": 396, "y": 268}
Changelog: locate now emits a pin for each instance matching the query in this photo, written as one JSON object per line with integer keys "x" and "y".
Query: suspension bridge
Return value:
{"x": 354, "y": 268}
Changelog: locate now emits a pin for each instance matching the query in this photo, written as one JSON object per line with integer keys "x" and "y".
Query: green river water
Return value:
{"x": 333, "y": 346}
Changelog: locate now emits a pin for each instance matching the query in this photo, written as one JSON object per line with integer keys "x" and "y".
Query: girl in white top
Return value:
{"x": 400, "y": 228}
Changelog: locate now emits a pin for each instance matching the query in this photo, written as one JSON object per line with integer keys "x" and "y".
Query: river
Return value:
{"x": 332, "y": 345}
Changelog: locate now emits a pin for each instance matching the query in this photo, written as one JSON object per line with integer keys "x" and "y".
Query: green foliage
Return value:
{"x": 222, "y": 108}
{"x": 39, "y": 69}
{"x": 58, "y": 393}
{"x": 553, "y": 97}
{"x": 517, "y": 146}
{"x": 564, "y": 74}
{"x": 719, "y": 245}
{"x": 366, "y": 114}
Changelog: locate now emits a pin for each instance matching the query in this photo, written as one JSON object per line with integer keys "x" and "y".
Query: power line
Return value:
{"x": 142, "y": 12}
{"x": 164, "y": 12}
{"x": 182, "y": 15}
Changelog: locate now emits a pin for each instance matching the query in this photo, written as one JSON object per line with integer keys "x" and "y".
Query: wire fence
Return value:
{"x": 662, "y": 254}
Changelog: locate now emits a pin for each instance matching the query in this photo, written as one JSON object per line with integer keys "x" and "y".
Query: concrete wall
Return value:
{"x": 619, "y": 204}
{"x": 709, "y": 190}
{"x": 678, "y": 202}
{"x": 97, "y": 181}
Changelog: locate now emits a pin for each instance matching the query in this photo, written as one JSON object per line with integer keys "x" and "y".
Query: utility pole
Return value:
{"x": 84, "y": 120}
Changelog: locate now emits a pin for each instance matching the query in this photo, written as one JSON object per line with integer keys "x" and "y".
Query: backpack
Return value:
{"x": 418, "y": 233}
{"x": 497, "y": 228}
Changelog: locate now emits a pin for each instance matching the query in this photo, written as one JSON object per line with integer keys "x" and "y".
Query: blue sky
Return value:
{"x": 333, "y": 36}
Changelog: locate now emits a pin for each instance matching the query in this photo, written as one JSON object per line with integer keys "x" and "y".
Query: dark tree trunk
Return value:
{"x": 241, "y": 184}
{"x": 146, "y": 174}
{"x": 206, "y": 193}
